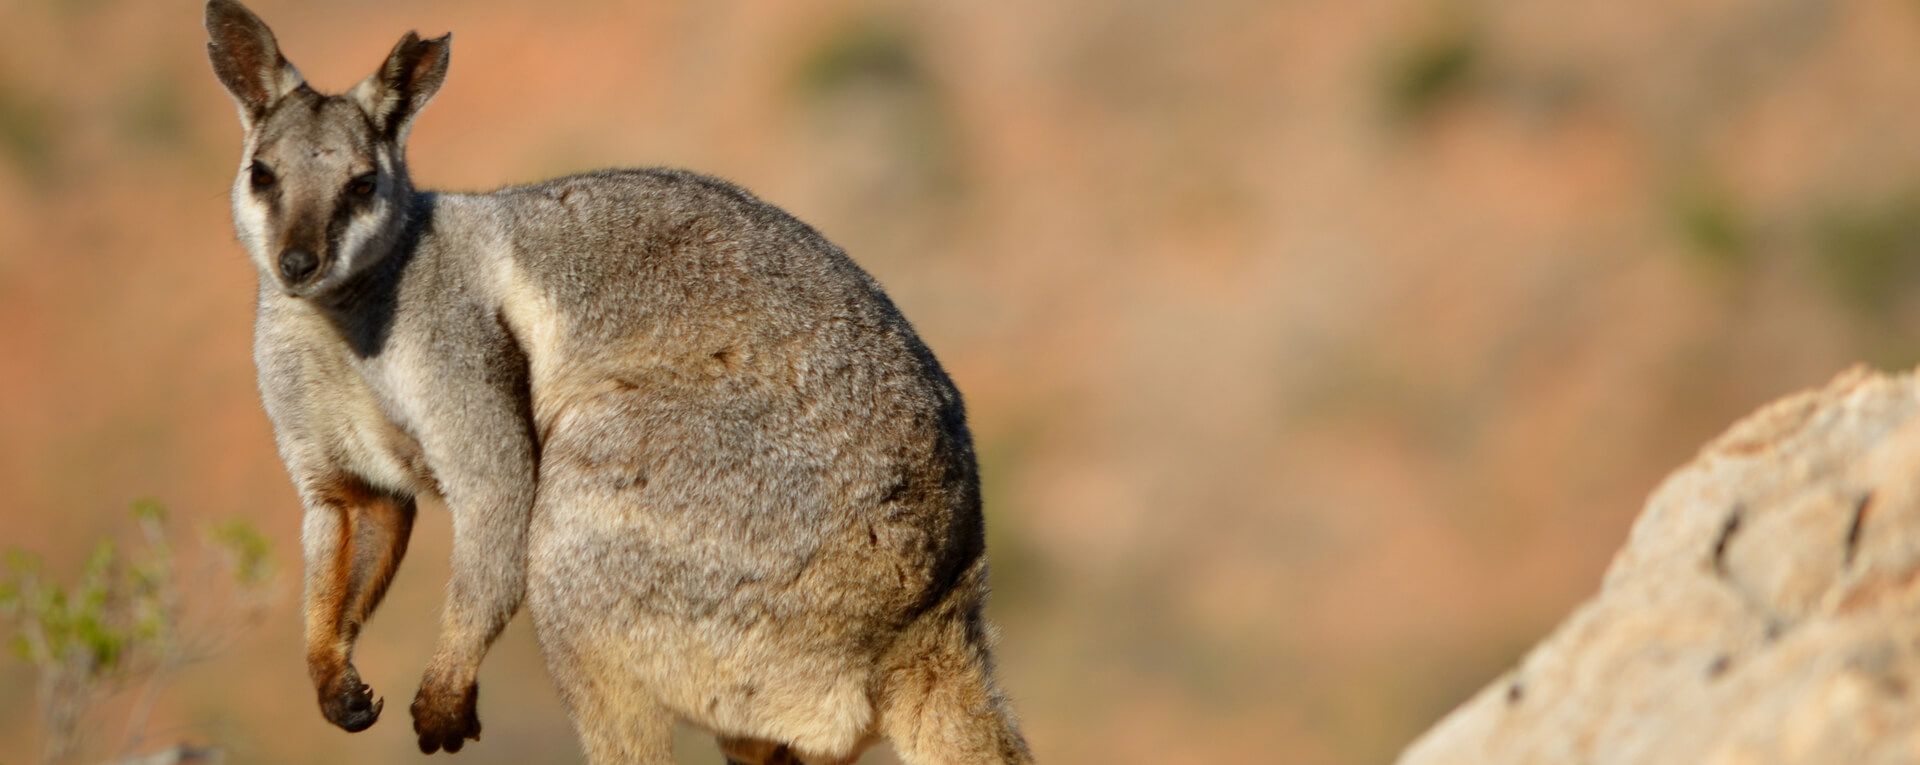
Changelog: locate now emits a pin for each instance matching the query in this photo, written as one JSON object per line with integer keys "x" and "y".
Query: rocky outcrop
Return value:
{"x": 1765, "y": 609}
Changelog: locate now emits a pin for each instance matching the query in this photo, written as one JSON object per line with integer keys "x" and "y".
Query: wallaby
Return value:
{"x": 732, "y": 485}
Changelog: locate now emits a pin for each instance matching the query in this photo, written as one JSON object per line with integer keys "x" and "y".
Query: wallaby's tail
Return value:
{"x": 939, "y": 704}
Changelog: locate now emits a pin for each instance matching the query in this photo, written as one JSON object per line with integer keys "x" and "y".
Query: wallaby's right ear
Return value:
{"x": 247, "y": 59}
{"x": 405, "y": 83}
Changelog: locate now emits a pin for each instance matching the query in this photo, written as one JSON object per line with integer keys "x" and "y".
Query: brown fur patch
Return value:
{"x": 346, "y": 579}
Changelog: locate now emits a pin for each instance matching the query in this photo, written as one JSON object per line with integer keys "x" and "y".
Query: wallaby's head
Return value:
{"x": 322, "y": 191}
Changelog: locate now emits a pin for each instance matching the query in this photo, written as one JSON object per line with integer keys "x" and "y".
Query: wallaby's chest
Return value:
{"x": 372, "y": 427}
{"x": 402, "y": 394}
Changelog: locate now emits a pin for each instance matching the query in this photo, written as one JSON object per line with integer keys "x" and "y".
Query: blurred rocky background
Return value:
{"x": 1319, "y": 353}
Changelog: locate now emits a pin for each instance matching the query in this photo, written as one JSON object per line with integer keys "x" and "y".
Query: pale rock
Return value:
{"x": 1765, "y": 608}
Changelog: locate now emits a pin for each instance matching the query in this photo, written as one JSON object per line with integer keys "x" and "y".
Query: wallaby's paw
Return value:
{"x": 446, "y": 717}
{"x": 350, "y": 704}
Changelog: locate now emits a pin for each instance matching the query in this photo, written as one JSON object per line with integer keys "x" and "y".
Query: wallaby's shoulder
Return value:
{"x": 670, "y": 239}
{"x": 655, "y": 183}
{"x": 659, "y": 203}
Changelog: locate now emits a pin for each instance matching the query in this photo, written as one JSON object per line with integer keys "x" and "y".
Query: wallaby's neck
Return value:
{"x": 362, "y": 309}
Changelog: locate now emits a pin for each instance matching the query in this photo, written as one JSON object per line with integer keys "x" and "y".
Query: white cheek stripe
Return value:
{"x": 250, "y": 221}
{"x": 363, "y": 228}
{"x": 249, "y": 216}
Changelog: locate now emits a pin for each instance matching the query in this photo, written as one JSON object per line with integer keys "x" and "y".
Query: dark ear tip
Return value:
{"x": 230, "y": 15}
{"x": 431, "y": 46}
{"x": 217, "y": 9}
{"x": 413, "y": 38}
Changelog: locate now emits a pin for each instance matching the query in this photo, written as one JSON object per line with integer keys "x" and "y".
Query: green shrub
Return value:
{"x": 125, "y": 622}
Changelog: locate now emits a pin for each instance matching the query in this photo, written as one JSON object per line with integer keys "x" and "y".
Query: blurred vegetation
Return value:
{"x": 126, "y": 622}
{"x": 1709, "y": 221}
{"x": 868, "y": 48}
{"x": 872, "y": 67}
{"x": 1018, "y": 573}
{"x": 1868, "y": 255}
{"x": 152, "y": 112}
{"x": 1432, "y": 69}
{"x": 1869, "y": 251}
{"x": 26, "y": 131}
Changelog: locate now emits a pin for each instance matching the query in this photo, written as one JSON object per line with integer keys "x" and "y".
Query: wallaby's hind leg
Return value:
{"x": 939, "y": 704}
{"x": 946, "y": 711}
{"x": 618, "y": 726}
{"x": 613, "y": 712}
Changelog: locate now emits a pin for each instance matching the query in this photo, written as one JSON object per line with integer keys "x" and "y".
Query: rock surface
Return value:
{"x": 1765, "y": 609}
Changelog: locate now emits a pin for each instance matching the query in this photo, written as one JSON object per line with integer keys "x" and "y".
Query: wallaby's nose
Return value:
{"x": 297, "y": 264}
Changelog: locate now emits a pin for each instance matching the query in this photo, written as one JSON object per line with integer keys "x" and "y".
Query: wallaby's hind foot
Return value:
{"x": 748, "y": 751}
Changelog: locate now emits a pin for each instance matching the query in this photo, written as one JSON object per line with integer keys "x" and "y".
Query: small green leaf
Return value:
{"x": 252, "y": 554}
{"x": 104, "y": 646}
{"x": 21, "y": 562}
{"x": 149, "y": 509}
{"x": 150, "y": 626}
{"x": 102, "y": 557}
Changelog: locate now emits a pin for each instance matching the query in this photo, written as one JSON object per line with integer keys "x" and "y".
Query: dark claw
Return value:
{"x": 353, "y": 708}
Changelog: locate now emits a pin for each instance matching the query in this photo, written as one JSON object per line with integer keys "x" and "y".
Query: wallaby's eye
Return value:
{"x": 260, "y": 177}
{"x": 363, "y": 186}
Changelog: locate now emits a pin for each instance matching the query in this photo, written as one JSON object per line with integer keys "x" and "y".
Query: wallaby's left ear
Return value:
{"x": 247, "y": 59}
{"x": 405, "y": 83}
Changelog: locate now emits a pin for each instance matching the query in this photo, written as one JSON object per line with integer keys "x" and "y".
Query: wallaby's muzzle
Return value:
{"x": 297, "y": 265}
{"x": 305, "y": 255}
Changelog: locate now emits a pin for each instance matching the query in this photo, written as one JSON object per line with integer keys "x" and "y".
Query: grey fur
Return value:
{"x": 730, "y": 481}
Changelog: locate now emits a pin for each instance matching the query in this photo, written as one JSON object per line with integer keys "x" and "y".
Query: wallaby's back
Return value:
{"x": 705, "y": 356}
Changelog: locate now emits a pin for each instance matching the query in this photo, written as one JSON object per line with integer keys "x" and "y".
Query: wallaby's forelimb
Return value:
{"x": 354, "y": 538}
{"x": 490, "y": 494}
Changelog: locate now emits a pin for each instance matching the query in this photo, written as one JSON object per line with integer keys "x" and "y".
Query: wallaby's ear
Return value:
{"x": 405, "y": 83}
{"x": 247, "y": 59}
